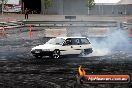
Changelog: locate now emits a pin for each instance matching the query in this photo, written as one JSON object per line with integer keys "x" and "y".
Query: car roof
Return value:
{"x": 70, "y": 37}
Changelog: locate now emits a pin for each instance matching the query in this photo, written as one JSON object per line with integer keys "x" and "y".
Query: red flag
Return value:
{"x": 3, "y": 19}
{"x": 30, "y": 31}
{"x": 3, "y": 29}
{"x": 125, "y": 18}
{"x": 9, "y": 19}
{"x": 130, "y": 32}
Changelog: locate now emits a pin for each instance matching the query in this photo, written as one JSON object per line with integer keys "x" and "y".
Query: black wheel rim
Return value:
{"x": 56, "y": 54}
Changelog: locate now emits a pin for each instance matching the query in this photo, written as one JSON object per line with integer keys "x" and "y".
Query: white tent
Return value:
{"x": 124, "y": 2}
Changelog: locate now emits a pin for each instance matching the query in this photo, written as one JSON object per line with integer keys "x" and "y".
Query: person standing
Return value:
{"x": 26, "y": 13}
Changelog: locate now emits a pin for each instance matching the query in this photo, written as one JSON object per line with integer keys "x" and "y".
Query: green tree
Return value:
{"x": 90, "y": 5}
{"x": 47, "y": 4}
{"x": 3, "y": 2}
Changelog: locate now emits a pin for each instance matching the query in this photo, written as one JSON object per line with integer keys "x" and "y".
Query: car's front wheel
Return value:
{"x": 56, "y": 54}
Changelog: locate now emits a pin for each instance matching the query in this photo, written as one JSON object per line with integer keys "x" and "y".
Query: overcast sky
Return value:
{"x": 106, "y": 1}
{"x": 96, "y": 1}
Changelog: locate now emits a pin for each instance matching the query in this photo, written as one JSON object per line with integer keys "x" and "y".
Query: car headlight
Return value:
{"x": 45, "y": 49}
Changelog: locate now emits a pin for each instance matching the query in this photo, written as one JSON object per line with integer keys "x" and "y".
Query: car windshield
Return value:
{"x": 56, "y": 41}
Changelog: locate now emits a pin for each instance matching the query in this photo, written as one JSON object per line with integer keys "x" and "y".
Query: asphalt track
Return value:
{"x": 30, "y": 72}
{"x": 19, "y": 69}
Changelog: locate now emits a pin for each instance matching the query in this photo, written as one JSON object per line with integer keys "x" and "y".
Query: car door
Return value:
{"x": 85, "y": 43}
{"x": 76, "y": 46}
{"x": 67, "y": 47}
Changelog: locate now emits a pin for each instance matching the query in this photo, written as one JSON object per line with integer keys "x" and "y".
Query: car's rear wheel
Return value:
{"x": 56, "y": 54}
{"x": 38, "y": 56}
{"x": 86, "y": 52}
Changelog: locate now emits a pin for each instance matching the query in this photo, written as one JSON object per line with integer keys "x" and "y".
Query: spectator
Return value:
{"x": 26, "y": 13}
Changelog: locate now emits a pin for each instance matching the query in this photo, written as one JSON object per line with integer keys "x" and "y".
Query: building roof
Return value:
{"x": 125, "y": 2}
{"x": 106, "y": 3}
{"x": 121, "y": 2}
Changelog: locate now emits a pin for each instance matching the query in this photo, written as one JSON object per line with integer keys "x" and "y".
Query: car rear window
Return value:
{"x": 85, "y": 41}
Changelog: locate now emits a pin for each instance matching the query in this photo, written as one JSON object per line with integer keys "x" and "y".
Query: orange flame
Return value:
{"x": 81, "y": 71}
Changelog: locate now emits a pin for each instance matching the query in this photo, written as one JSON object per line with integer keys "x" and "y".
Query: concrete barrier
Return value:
{"x": 55, "y": 32}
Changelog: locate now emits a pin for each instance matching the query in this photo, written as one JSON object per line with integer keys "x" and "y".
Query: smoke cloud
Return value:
{"x": 115, "y": 41}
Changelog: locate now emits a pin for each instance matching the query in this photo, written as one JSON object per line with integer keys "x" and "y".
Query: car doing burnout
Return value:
{"x": 59, "y": 46}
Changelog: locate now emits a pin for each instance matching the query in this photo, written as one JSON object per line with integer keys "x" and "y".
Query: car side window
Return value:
{"x": 84, "y": 41}
{"x": 68, "y": 42}
{"x": 76, "y": 41}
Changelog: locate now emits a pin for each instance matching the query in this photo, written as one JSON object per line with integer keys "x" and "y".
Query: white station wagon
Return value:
{"x": 59, "y": 46}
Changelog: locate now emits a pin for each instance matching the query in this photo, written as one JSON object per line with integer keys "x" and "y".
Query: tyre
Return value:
{"x": 56, "y": 54}
{"x": 38, "y": 56}
{"x": 86, "y": 52}
{"x": 83, "y": 53}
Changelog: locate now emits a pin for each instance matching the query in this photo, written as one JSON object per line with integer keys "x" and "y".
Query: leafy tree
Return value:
{"x": 90, "y": 4}
{"x": 3, "y": 2}
{"x": 47, "y": 4}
